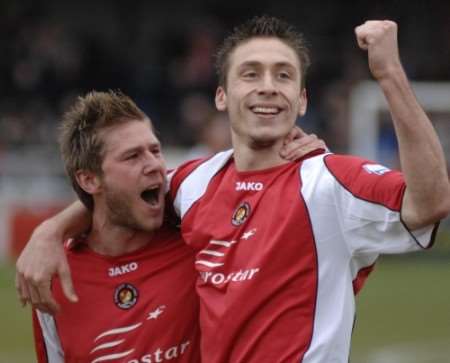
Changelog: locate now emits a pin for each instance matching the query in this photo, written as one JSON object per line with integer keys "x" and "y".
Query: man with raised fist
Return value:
{"x": 279, "y": 265}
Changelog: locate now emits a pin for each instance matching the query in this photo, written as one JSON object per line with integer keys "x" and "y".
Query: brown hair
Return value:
{"x": 262, "y": 26}
{"x": 80, "y": 144}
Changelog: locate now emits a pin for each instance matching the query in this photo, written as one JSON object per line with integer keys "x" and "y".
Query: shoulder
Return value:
{"x": 348, "y": 166}
{"x": 182, "y": 171}
{"x": 336, "y": 163}
{"x": 214, "y": 161}
{"x": 200, "y": 169}
{"x": 366, "y": 179}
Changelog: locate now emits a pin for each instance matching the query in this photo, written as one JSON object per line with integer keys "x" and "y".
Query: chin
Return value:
{"x": 152, "y": 225}
{"x": 264, "y": 141}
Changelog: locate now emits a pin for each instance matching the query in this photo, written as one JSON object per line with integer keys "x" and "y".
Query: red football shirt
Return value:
{"x": 139, "y": 307}
{"x": 281, "y": 252}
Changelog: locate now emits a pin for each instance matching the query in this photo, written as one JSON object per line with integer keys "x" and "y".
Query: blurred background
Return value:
{"x": 161, "y": 54}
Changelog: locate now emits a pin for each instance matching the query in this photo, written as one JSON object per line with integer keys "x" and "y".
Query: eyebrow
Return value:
{"x": 138, "y": 148}
{"x": 258, "y": 64}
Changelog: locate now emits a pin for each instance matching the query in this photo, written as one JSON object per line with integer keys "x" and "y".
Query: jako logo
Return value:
{"x": 121, "y": 270}
{"x": 249, "y": 186}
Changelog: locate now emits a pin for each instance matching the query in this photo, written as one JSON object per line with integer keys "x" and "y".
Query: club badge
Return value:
{"x": 126, "y": 296}
{"x": 240, "y": 214}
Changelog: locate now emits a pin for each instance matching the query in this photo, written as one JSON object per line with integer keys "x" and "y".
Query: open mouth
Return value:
{"x": 151, "y": 196}
{"x": 266, "y": 110}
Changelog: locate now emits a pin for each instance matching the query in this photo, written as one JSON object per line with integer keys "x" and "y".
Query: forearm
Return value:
{"x": 421, "y": 156}
{"x": 71, "y": 221}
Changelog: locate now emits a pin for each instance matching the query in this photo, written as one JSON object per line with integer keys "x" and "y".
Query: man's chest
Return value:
{"x": 247, "y": 228}
{"x": 129, "y": 311}
{"x": 122, "y": 320}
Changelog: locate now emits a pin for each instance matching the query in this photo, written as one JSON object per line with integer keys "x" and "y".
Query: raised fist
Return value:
{"x": 379, "y": 38}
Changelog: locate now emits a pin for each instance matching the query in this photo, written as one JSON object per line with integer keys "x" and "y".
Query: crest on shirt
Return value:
{"x": 126, "y": 296}
{"x": 240, "y": 214}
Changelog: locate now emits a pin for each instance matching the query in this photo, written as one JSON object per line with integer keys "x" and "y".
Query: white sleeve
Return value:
{"x": 373, "y": 228}
{"x": 53, "y": 346}
{"x": 346, "y": 204}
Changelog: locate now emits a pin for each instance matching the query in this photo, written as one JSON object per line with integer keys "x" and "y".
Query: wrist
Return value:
{"x": 48, "y": 231}
{"x": 390, "y": 73}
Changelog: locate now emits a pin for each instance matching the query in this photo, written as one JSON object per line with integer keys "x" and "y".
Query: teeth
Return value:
{"x": 260, "y": 109}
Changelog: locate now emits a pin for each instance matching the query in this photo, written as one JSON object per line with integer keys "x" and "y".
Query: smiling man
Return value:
{"x": 282, "y": 247}
{"x": 260, "y": 123}
{"x": 279, "y": 265}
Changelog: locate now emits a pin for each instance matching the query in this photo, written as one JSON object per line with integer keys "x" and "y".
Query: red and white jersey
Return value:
{"x": 139, "y": 307}
{"x": 281, "y": 252}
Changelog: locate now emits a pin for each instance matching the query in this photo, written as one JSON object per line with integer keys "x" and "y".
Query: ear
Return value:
{"x": 303, "y": 102}
{"x": 221, "y": 99}
{"x": 88, "y": 181}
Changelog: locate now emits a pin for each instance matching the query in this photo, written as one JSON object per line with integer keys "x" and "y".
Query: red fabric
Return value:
{"x": 162, "y": 322}
{"x": 361, "y": 278}
{"x": 263, "y": 295}
{"x": 386, "y": 189}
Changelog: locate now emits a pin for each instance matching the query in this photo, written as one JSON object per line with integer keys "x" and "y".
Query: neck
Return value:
{"x": 249, "y": 157}
{"x": 108, "y": 239}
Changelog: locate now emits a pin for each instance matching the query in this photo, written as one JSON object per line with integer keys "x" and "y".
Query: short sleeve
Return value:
{"x": 368, "y": 198}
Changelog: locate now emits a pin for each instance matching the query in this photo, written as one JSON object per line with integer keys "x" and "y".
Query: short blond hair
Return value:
{"x": 80, "y": 145}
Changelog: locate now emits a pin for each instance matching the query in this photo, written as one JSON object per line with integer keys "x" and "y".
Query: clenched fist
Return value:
{"x": 379, "y": 38}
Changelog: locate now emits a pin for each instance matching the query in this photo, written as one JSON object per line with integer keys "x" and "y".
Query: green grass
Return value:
{"x": 403, "y": 312}
{"x": 403, "y": 315}
{"x": 16, "y": 339}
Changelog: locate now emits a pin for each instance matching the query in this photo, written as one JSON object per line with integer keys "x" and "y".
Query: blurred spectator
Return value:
{"x": 53, "y": 51}
{"x": 214, "y": 136}
{"x": 194, "y": 69}
{"x": 195, "y": 109}
{"x": 335, "y": 101}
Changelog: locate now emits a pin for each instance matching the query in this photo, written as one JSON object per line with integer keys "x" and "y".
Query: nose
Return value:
{"x": 267, "y": 85}
{"x": 152, "y": 163}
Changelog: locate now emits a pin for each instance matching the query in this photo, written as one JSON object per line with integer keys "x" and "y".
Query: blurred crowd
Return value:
{"x": 161, "y": 54}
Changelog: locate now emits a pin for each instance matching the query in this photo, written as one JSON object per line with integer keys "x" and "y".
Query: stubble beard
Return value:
{"x": 120, "y": 212}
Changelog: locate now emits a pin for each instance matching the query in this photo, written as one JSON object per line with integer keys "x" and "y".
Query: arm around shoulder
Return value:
{"x": 43, "y": 257}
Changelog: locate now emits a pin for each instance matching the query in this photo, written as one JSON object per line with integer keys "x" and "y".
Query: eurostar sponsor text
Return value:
{"x": 217, "y": 278}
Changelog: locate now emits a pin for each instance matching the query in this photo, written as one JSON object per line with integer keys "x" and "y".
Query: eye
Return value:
{"x": 156, "y": 151}
{"x": 250, "y": 74}
{"x": 284, "y": 75}
{"x": 131, "y": 156}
